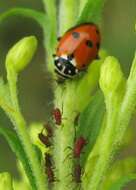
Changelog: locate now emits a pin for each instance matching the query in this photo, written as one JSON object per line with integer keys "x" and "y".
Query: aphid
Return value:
{"x": 77, "y": 173}
{"x": 50, "y": 174}
{"x": 49, "y": 129}
{"x": 57, "y": 116}
{"x": 44, "y": 139}
{"x": 78, "y": 146}
{"x": 48, "y": 160}
{"x": 77, "y": 48}
{"x": 49, "y": 168}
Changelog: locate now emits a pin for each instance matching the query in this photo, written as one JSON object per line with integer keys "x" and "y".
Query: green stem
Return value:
{"x": 50, "y": 34}
{"x": 21, "y": 129}
{"x": 67, "y": 15}
{"x": 117, "y": 122}
{"x": 22, "y": 132}
{"x": 82, "y": 5}
{"x": 127, "y": 109}
{"x": 64, "y": 138}
{"x": 106, "y": 146}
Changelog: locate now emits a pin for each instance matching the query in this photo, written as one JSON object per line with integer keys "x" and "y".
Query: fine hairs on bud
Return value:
{"x": 111, "y": 76}
{"x": 21, "y": 53}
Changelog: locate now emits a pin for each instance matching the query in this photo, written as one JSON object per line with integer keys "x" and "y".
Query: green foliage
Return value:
{"x": 17, "y": 148}
{"x": 19, "y": 56}
{"x": 5, "y": 181}
{"x": 91, "y": 118}
{"x": 122, "y": 182}
{"x": 91, "y": 11}
{"x": 39, "y": 17}
{"x": 122, "y": 172}
{"x": 103, "y": 129}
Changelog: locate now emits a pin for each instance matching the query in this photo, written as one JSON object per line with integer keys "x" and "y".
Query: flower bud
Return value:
{"x": 5, "y": 181}
{"x": 111, "y": 76}
{"x": 21, "y": 53}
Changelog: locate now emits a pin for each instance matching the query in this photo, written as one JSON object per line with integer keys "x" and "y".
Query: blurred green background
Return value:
{"x": 118, "y": 38}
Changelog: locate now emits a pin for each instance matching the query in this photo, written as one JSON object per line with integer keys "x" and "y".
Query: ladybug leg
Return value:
{"x": 59, "y": 38}
{"x": 97, "y": 57}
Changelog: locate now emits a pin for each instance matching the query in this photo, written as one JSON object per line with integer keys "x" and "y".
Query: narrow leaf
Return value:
{"x": 92, "y": 11}
{"x": 39, "y": 17}
{"x": 17, "y": 148}
{"x": 90, "y": 122}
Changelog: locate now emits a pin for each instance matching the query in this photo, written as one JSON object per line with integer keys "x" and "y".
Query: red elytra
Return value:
{"x": 77, "y": 48}
{"x": 78, "y": 146}
{"x": 57, "y": 116}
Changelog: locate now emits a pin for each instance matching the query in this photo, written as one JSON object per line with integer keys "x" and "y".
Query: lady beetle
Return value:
{"x": 77, "y": 48}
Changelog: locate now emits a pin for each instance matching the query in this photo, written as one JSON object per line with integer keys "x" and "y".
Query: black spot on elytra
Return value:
{"x": 76, "y": 35}
{"x": 89, "y": 43}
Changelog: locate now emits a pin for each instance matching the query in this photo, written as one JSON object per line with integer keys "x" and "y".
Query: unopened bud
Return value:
{"x": 111, "y": 76}
{"x": 21, "y": 53}
{"x": 5, "y": 181}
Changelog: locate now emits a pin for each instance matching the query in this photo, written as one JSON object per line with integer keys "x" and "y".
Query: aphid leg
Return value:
{"x": 69, "y": 156}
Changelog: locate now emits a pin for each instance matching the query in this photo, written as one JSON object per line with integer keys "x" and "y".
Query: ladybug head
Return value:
{"x": 64, "y": 66}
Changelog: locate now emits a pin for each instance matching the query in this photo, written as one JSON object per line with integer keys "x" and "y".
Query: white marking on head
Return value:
{"x": 76, "y": 70}
{"x": 63, "y": 69}
{"x": 73, "y": 62}
{"x": 69, "y": 71}
{"x": 59, "y": 64}
{"x": 64, "y": 56}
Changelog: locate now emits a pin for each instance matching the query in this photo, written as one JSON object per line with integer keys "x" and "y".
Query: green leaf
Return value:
{"x": 6, "y": 181}
{"x": 119, "y": 169}
{"x": 90, "y": 122}
{"x": 39, "y": 17}
{"x": 91, "y": 12}
{"x": 68, "y": 11}
{"x": 123, "y": 181}
{"x": 17, "y": 148}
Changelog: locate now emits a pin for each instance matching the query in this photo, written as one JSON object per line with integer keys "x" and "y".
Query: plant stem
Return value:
{"x": 106, "y": 146}
{"x": 63, "y": 139}
{"x": 117, "y": 123}
{"x": 50, "y": 34}
{"x": 67, "y": 14}
{"x": 21, "y": 129}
